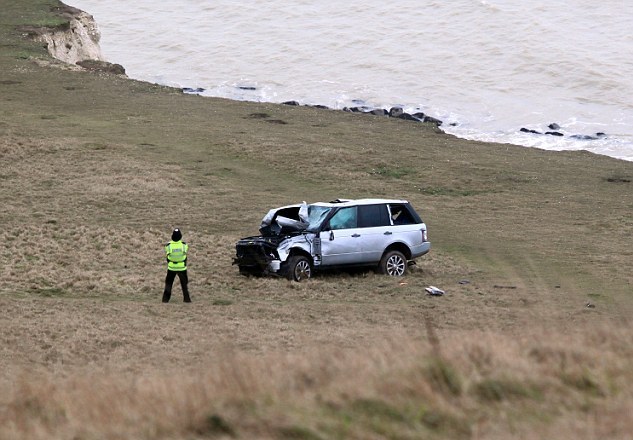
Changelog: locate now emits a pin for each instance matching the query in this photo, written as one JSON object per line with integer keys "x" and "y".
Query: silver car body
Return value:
{"x": 339, "y": 233}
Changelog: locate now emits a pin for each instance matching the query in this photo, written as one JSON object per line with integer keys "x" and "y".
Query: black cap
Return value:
{"x": 176, "y": 235}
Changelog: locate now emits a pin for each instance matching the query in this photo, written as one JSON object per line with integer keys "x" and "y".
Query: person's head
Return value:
{"x": 176, "y": 235}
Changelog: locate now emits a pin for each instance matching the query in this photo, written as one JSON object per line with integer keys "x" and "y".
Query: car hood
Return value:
{"x": 300, "y": 224}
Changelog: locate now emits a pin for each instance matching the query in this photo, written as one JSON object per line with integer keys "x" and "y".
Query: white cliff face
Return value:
{"x": 77, "y": 43}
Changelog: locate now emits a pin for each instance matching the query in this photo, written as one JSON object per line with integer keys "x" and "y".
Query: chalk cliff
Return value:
{"x": 78, "y": 41}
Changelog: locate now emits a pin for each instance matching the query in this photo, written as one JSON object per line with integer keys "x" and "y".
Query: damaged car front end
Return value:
{"x": 282, "y": 229}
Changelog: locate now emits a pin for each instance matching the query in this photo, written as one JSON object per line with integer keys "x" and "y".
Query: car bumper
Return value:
{"x": 419, "y": 250}
{"x": 274, "y": 266}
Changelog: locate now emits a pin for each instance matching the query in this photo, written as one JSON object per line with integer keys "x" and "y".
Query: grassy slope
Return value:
{"x": 97, "y": 169}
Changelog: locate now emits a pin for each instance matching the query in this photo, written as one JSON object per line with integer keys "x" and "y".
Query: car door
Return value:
{"x": 375, "y": 230}
{"x": 341, "y": 239}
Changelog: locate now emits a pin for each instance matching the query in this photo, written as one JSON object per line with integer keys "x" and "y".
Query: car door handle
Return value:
{"x": 388, "y": 233}
{"x": 355, "y": 235}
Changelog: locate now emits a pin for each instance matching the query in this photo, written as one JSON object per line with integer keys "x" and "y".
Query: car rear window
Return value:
{"x": 402, "y": 214}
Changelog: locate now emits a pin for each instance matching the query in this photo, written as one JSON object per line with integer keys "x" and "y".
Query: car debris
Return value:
{"x": 432, "y": 290}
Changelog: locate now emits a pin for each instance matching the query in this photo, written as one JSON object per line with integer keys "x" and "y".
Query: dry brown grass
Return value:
{"x": 96, "y": 172}
{"x": 477, "y": 385}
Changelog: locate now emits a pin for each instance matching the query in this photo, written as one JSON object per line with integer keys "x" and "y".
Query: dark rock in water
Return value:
{"x": 379, "y": 112}
{"x": 353, "y": 109}
{"x": 395, "y": 112}
{"x": 453, "y": 124}
{"x": 408, "y": 117}
{"x": 419, "y": 115}
{"x": 192, "y": 90}
{"x": 290, "y": 103}
{"x": 555, "y": 126}
{"x": 432, "y": 120}
{"x": 586, "y": 137}
{"x": 247, "y": 88}
{"x": 101, "y": 66}
{"x": 325, "y": 107}
{"x": 527, "y": 130}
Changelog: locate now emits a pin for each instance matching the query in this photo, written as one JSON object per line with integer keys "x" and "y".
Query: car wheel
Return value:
{"x": 299, "y": 268}
{"x": 394, "y": 264}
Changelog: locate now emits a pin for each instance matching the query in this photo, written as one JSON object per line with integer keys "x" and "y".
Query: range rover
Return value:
{"x": 296, "y": 240}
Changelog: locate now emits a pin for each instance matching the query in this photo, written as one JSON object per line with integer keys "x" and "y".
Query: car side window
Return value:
{"x": 400, "y": 215}
{"x": 344, "y": 218}
{"x": 372, "y": 216}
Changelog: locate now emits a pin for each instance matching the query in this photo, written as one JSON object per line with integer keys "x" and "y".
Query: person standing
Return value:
{"x": 176, "y": 252}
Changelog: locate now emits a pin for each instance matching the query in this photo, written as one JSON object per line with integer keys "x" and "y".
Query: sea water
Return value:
{"x": 486, "y": 68}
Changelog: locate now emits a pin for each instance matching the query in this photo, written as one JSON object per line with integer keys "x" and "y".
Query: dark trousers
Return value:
{"x": 169, "y": 281}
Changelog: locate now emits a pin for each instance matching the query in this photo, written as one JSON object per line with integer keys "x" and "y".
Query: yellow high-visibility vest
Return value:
{"x": 176, "y": 252}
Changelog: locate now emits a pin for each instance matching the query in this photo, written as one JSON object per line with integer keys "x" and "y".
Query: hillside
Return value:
{"x": 533, "y": 343}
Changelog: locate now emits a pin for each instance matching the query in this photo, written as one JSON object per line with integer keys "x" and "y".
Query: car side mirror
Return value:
{"x": 331, "y": 235}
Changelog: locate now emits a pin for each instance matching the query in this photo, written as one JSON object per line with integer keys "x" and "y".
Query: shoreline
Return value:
{"x": 83, "y": 19}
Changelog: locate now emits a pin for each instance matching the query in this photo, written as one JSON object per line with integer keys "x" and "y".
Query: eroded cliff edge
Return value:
{"x": 76, "y": 42}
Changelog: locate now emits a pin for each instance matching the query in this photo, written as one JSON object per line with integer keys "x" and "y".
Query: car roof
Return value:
{"x": 356, "y": 202}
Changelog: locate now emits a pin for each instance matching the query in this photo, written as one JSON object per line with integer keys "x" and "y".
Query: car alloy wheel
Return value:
{"x": 299, "y": 268}
{"x": 394, "y": 264}
{"x": 302, "y": 270}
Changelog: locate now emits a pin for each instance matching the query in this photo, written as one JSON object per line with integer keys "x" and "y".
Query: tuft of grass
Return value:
{"x": 443, "y": 377}
{"x": 297, "y": 433}
{"x": 222, "y": 302}
{"x": 583, "y": 381}
{"x": 443, "y": 422}
{"x": 452, "y": 192}
{"x": 392, "y": 172}
{"x": 50, "y": 292}
{"x": 375, "y": 408}
{"x": 258, "y": 115}
{"x": 497, "y": 390}
{"x": 96, "y": 146}
{"x": 214, "y": 425}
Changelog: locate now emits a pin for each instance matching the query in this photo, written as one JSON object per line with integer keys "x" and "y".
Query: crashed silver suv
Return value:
{"x": 297, "y": 239}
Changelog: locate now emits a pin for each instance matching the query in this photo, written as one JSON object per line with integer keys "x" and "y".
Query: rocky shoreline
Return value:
{"x": 77, "y": 44}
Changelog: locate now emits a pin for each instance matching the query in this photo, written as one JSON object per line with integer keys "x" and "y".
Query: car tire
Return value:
{"x": 298, "y": 268}
{"x": 393, "y": 263}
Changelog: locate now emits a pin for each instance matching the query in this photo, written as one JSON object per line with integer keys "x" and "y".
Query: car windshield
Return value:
{"x": 316, "y": 215}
